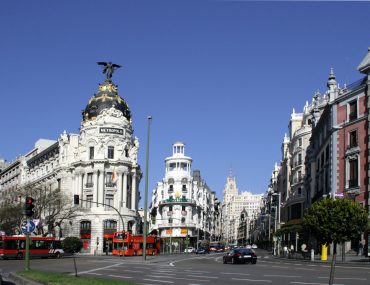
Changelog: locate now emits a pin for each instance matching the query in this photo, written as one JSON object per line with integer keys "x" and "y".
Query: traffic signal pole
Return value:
{"x": 27, "y": 253}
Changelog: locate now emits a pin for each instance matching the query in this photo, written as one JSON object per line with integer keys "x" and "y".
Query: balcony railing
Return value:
{"x": 353, "y": 183}
{"x": 177, "y": 201}
{"x": 110, "y": 184}
{"x": 89, "y": 185}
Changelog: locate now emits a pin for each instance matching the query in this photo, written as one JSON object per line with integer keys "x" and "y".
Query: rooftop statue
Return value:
{"x": 108, "y": 68}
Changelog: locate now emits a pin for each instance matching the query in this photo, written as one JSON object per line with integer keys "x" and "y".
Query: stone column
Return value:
{"x": 118, "y": 196}
{"x": 101, "y": 188}
{"x": 95, "y": 187}
{"x": 133, "y": 192}
{"x": 124, "y": 191}
{"x": 80, "y": 185}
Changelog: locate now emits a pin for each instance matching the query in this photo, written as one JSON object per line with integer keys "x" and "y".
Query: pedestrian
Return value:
{"x": 360, "y": 249}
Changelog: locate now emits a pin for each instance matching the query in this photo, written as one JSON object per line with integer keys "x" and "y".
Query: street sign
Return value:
{"x": 28, "y": 227}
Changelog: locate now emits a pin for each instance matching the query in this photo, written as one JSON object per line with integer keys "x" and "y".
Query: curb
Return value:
{"x": 362, "y": 261}
{"x": 19, "y": 280}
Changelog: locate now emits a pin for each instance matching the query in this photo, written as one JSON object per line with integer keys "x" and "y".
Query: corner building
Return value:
{"x": 183, "y": 208}
{"x": 100, "y": 165}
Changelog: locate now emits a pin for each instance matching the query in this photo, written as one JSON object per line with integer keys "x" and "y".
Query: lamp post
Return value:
{"x": 146, "y": 189}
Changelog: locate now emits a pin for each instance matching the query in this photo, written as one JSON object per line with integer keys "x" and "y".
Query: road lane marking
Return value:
{"x": 285, "y": 267}
{"x": 251, "y": 280}
{"x": 162, "y": 281}
{"x": 310, "y": 283}
{"x": 118, "y": 276}
{"x": 345, "y": 278}
{"x": 211, "y": 277}
{"x": 287, "y": 276}
{"x": 179, "y": 278}
{"x": 230, "y": 273}
{"x": 308, "y": 269}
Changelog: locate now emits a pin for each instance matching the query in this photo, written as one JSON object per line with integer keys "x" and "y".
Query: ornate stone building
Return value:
{"x": 183, "y": 207}
{"x": 234, "y": 203}
{"x": 99, "y": 164}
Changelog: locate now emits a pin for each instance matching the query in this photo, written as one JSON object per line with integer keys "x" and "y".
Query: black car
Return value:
{"x": 240, "y": 255}
{"x": 202, "y": 250}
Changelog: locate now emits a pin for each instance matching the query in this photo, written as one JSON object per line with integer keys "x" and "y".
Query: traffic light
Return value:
{"x": 76, "y": 199}
{"x": 29, "y": 207}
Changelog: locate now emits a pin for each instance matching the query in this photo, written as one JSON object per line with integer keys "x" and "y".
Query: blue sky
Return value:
{"x": 221, "y": 76}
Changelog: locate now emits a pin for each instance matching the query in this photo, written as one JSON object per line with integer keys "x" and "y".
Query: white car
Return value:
{"x": 254, "y": 246}
{"x": 189, "y": 249}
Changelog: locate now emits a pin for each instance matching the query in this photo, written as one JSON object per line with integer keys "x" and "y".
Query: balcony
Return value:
{"x": 171, "y": 201}
{"x": 89, "y": 185}
{"x": 353, "y": 183}
{"x": 110, "y": 184}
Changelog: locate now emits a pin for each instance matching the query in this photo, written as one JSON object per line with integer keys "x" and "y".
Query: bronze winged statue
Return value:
{"x": 108, "y": 68}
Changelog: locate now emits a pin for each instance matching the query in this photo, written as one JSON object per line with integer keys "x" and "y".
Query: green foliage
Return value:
{"x": 72, "y": 244}
{"x": 335, "y": 220}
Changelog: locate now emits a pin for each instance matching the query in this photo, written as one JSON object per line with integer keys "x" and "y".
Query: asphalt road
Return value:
{"x": 191, "y": 269}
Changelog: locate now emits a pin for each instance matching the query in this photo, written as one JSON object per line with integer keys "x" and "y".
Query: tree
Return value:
{"x": 52, "y": 207}
{"x": 11, "y": 216}
{"x": 72, "y": 245}
{"x": 335, "y": 221}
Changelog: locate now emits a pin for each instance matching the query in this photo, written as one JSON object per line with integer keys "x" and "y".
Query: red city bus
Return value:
{"x": 132, "y": 245}
{"x": 15, "y": 247}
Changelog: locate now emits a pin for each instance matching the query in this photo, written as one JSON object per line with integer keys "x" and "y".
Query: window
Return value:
{"x": 89, "y": 199}
{"x": 183, "y": 208}
{"x": 170, "y": 220}
{"x": 108, "y": 201}
{"x": 353, "y": 139}
{"x": 110, "y": 152}
{"x": 353, "y": 173}
{"x": 182, "y": 220}
{"x": 91, "y": 152}
{"x": 172, "y": 166}
{"x": 184, "y": 188}
{"x": 89, "y": 180}
{"x": 170, "y": 208}
{"x": 126, "y": 152}
{"x": 170, "y": 190}
{"x": 299, "y": 159}
{"x": 300, "y": 142}
{"x": 110, "y": 225}
{"x": 352, "y": 111}
{"x": 109, "y": 180}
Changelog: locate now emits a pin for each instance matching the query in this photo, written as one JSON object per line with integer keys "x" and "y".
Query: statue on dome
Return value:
{"x": 108, "y": 68}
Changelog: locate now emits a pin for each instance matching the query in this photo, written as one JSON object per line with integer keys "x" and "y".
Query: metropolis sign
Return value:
{"x": 111, "y": 131}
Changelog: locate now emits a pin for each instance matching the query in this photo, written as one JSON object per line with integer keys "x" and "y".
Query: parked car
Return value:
{"x": 202, "y": 250}
{"x": 189, "y": 249}
{"x": 240, "y": 255}
{"x": 254, "y": 246}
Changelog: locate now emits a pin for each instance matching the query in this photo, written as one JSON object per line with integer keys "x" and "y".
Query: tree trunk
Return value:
{"x": 332, "y": 267}
{"x": 74, "y": 261}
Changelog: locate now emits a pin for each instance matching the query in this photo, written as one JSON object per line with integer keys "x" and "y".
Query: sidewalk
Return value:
{"x": 350, "y": 257}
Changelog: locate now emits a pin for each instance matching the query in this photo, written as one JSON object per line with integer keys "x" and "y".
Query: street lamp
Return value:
{"x": 146, "y": 190}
